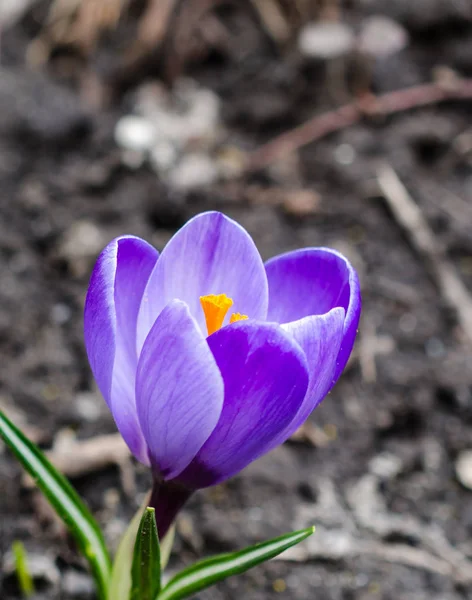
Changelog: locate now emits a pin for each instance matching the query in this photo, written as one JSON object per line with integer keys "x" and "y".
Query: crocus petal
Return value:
{"x": 211, "y": 254}
{"x": 179, "y": 390}
{"x": 313, "y": 281}
{"x": 111, "y": 309}
{"x": 265, "y": 377}
{"x": 320, "y": 337}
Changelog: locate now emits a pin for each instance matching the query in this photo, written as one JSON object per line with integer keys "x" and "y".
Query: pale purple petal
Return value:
{"x": 313, "y": 281}
{"x": 211, "y": 254}
{"x": 320, "y": 337}
{"x": 351, "y": 323}
{"x": 265, "y": 378}
{"x": 179, "y": 390}
{"x": 111, "y": 308}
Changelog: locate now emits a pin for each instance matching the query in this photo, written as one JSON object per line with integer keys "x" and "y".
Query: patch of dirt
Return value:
{"x": 376, "y": 471}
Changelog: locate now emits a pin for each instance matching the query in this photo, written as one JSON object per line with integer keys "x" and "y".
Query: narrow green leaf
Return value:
{"x": 146, "y": 569}
{"x": 206, "y": 573}
{"x": 64, "y": 500}
{"x": 120, "y": 583}
{"x": 21, "y": 567}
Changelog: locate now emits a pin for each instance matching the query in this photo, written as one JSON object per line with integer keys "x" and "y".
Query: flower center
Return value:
{"x": 215, "y": 308}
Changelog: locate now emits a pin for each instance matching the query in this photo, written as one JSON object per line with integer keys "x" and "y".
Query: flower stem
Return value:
{"x": 167, "y": 498}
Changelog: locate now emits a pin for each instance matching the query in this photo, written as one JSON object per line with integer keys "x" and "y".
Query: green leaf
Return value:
{"x": 207, "y": 572}
{"x": 25, "y": 580}
{"x": 120, "y": 584}
{"x": 146, "y": 569}
{"x": 64, "y": 500}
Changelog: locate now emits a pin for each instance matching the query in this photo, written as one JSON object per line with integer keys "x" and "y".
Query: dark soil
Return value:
{"x": 380, "y": 483}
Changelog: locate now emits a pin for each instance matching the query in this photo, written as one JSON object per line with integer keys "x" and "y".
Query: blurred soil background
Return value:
{"x": 127, "y": 116}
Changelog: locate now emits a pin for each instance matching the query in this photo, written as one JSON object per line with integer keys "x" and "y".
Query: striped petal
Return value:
{"x": 111, "y": 309}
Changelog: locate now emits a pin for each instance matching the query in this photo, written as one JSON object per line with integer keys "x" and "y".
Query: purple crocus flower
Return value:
{"x": 207, "y": 357}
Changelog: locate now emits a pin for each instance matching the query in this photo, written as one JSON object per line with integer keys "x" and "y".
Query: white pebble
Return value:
{"x": 381, "y": 36}
{"x": 61, "y": 313}
{"x": 194, "y": 170}
{"x": 345, "y": 154}
{"x": 325, "y": 40}
{"x": 464, "y": 468}
{"x": 386, "y": 465}
{"x": 135, "y": 133}
{"x": 88, "y": 406}
{"x": 163, "y": 156}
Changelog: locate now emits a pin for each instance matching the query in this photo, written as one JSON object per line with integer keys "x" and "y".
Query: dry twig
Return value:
{"x": 342, "y": 545}
{"x": 274, "y": 20}
{"x": 153, "y": 24}
{"x": 370, "y": 346}
{"x": 344, "y": 531}
{"x": 349, "y": 114}
{"x": 75, "y": 458}
{"x": 409, "y": 216}
{"x": 79, "y": 22}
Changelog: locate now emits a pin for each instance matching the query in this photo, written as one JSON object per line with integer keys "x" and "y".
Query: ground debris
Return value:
{"x": 409, "y": 216}
{"x": 332, "y": 544}
{"x": 33, "y": 105}
{"x": 345, "y": 533}
{"x": 370, "y": 346}
{"x": 377, "y": 468}
{"x": 75, "y": 458}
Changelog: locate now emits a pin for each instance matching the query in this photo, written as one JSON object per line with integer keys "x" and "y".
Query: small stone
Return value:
{"x": 82, "y": 239}
{"x": 231, "y": 161}
{"x": 135, "y": 133}
{"x": 463, "y": 468}
{"x": 88, "y": 406}
{"x": 61, "y": 313}
{"x": 204, "y": 112}
{"x": 194, "y": 171}
{"x": 301, "y": 203}
{"x": 163, "y": 156}
{"x": 381, "y": 36}
{"x": 325, "y": 40}
{"x": 111, "y": 499}
{"x": 190, "y": 113}
{"x": 345, "y": 154}
{"x": 408, "y": 322}
{"x": 434, "y": 348}
{"x": 279, "y": 586}
{"x": 78, "y": 585}
{"x": 386, "y": 465}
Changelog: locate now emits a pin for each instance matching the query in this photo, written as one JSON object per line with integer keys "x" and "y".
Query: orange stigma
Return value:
{"x": 215, "y": 307}
{"x": 237, "y": 317}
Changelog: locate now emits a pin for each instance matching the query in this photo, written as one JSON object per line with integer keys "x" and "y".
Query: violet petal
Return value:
{"x": 320, "y": 336}
{"x": 111, "y": 308}
{"x": 313, "y": 281}
{"x": 265, "y": 378}
{"x": 211, "y": 254}
{"x": 179, "y": 390}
